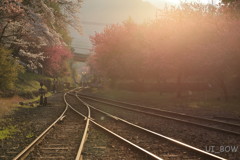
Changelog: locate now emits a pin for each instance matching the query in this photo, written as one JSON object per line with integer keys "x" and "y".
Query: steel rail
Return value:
{"x": 227, "y": 118}
{"x": 112, "y": 133}
{"x": 84, "y": 138}
{"x": 24, "y": 152}
{"x": 167, "y": 117}
{"x": 157, "y": 134}
{"x": 127, "y": 141}
{"x": 161, "y": 110}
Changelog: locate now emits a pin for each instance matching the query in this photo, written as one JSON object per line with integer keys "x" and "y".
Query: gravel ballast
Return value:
{"x": 28, "y": 124}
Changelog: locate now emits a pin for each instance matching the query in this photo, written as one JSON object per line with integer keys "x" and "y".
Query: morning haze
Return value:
{"x": 109, "y": 12}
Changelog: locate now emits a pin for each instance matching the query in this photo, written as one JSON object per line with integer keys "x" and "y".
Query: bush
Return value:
{"x": 9, "y": 69}
{"x": 27, "y": 94}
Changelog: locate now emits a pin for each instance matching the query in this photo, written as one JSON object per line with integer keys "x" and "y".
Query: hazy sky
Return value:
{"x": 96, "y": 14}
{"x": 102, "y": 12}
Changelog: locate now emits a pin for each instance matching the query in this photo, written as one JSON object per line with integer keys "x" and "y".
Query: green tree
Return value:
{"x": 9, "y": 70}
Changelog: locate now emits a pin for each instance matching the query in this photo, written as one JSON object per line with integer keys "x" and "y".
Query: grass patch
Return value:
{"x": 8, "y": 104}
{"x": 8, "y": 132}
{"x": 30, "y": 135}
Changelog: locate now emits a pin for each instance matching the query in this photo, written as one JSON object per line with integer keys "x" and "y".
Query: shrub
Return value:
{"x": 9, "y": 69}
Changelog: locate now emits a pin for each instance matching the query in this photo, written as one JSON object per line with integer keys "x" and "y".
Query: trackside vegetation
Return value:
{"x": 186, "y": 49}
{"x": 34, "y": 39}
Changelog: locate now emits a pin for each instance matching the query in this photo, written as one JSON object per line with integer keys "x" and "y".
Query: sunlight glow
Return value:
{"x": 159, "y": 3}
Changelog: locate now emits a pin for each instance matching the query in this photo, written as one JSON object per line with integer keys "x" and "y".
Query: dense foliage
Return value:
{"x": 54, "y": 65}
{"x": 9, "y": 69}
{"x": 28, "y": 27}
{"x": 194, "y": 41}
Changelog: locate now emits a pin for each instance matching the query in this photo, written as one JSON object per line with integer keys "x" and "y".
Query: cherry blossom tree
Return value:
{"x": 190, "y": 42}
{"x": 55, "y": 62}
{"x": 27, "y": 27}
{"x": 118, "y": 52}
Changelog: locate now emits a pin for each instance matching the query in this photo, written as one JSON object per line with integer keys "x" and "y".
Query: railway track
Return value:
{"x": 235, "y": 120}
{"x": 165, "y": 147}
{"x": 65, "y": 139}
{"x": 62, "y": 142}
{"x": 85, "y": 132}
{"x": 212, "y": 124}
{"x": 84, "y": 111}
{"x": 59, "y": 141}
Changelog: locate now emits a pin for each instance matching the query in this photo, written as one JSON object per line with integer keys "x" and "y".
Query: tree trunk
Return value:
{"x": 179, "y": 85}
{"x": 3, "y": 31}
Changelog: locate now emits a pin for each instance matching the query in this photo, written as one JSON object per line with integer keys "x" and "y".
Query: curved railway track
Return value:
{"x": 61, "y": 140}
{"x": 217, "y": 125}
{"x": 165, "y": 147}
{"x": 84, "y": 112}
{"x": 75, "y": 133}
